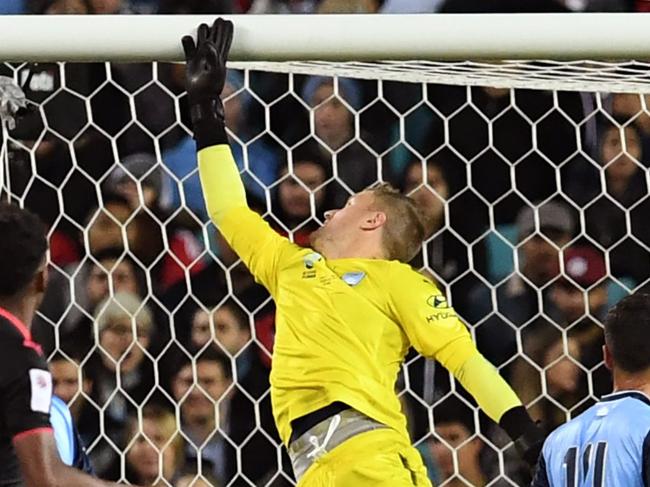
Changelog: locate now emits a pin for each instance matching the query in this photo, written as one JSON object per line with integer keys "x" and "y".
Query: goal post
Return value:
{"x": 525, "y": 138}
{"x": 332, "y": 37}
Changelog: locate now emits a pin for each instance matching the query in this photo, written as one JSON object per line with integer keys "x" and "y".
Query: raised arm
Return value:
{"x": 259, "y": 246}
{"x": 205, "y": 77}
{"x": 436, "y": 332}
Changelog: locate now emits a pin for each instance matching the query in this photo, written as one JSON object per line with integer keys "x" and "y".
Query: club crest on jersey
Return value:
{"x": 311, "y": 259}
{"x": 353, "y": 278}
{"x": 437, "y": 301}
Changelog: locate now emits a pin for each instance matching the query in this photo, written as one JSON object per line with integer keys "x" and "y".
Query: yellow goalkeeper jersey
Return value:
{"x": 343, "y": 326}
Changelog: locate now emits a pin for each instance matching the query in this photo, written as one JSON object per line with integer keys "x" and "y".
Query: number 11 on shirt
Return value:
{"x": 598, "y": 464}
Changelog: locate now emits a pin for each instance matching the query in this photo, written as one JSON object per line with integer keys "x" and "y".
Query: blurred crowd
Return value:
{"x": 161, "y": 341}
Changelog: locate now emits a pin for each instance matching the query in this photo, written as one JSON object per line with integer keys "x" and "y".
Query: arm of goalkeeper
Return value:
{"x": 259, "y": 246}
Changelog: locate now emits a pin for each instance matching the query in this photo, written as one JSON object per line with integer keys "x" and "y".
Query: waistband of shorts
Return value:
{"x": 314, "y": 443}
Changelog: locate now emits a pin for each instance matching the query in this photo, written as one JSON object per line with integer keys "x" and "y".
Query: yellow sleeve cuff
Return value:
{"x": 482, "y": 380}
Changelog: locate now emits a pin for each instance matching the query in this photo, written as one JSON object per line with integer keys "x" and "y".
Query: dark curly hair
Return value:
{"x": 626, "y": 332}
{"x": 23, "y": 245}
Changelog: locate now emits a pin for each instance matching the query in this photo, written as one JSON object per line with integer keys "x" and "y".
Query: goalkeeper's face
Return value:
{"x": 357, "y": 220}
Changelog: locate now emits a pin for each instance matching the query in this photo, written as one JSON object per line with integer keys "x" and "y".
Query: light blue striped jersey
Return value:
{"x": 607, "y": 445}
{"x": 64, "y": 436}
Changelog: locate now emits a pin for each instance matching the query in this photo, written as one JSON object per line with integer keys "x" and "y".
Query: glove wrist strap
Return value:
{"x": 208, "y": 121}
{"x": 527, "y": 436}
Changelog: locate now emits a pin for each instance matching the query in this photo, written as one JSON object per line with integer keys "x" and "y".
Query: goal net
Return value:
{"x": 533, "y": 181}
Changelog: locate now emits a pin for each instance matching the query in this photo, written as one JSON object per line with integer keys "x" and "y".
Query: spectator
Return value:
{"x": 229, "y": 327}
{"x": 283, "y": 7}
{"x": 560, "y": 386}
{"x": 137, "y": 171}
{"x": 74, "y": 386}
{"x": 410, "y": 6}
{"x": 210, "y": 286}
{"x": 502, "y": 6}
{"x": 70, "y": 152}
{"x": 13, "y": 7}
{"x": 158, "y": 438}
{"x": 454, "y": 452}
{"x": 196, "y": 7}
{"x": 256, "y": 155}
{"x": 446, "y": 255}
{"x": 584, "y": 268}
{"x": 70, "y": 384}
{"x": 517, "y": 298}
{"x": 429, "y": 189}
{"x": 141, "y": 170}
{"x": 348, "y": 7}
{"x": 293, "y": 209}
{"x": 194, "y": 480}
{"x": 122, "y": 354}
{"x": 61, "y": 7}
{"x": 109, "y": 7}
{"x": 111, "y": 271}
{"x": 115, "y": 319}
{"x": 106, "y": 222}
{"x": 628, "y": 107}
{"x": 72, "y": 307}
{"x": 579, "y": 304}
{"x": 334, "y": 125}
{"x": 204, "y": 410}
{"x": 625, "y": 192}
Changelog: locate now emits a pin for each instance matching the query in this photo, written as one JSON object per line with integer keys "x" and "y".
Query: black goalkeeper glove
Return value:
{"x": 205, "y": 76}
{"x": 528, "y": 436}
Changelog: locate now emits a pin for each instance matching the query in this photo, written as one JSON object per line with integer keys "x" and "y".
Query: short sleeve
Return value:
{"x": 61, "y": 420}
{"x": 428, "y": 320}
{"x": 25, "y": 389}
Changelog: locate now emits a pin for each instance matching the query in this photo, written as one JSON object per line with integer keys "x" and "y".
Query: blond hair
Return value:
{"x": 165, "y": 423}
{"x": 123, "y": 305}
{"x": 404, "y": 229}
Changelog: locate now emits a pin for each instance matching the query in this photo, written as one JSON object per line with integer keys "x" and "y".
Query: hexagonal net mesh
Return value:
{"x": 161, "y": 341}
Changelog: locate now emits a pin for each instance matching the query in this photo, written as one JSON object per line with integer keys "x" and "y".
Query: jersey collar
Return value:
{"x": 614, "y": 396}
{"x": 19, "y": 325}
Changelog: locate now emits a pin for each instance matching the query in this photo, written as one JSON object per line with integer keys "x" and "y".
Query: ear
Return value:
{"x": 374, "y": 220}
{"x": 607, "y": 357}
{"x": 40, "y": 279}
{"x": 87, "y": 385}
{"x": 474, "y": 446}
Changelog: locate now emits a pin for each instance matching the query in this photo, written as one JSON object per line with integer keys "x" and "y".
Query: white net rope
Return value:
{"x": 542, "y": 74}
{"x": 160, "y": 340}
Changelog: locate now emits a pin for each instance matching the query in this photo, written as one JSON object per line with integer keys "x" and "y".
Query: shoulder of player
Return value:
{"x": 12, "y": 331}
{"x": 570, "y": 427}
{"x": 17, "y": 347}
{"x": 404, "y": 273}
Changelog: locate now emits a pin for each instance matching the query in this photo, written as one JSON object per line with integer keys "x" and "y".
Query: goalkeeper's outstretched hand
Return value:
{"x": 205, "y": 76}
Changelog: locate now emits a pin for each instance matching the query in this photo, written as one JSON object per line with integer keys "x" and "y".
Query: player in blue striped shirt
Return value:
{"x": 609, "y": 444}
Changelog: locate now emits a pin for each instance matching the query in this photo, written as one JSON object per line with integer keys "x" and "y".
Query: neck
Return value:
{"x": 21, "y": 307}
{"x": 626, "y": 381}
{"x": 617, "y": 186}
{"x": 534, "y": 276}
{"x": 472, "y": 475}
{"x": 335, "y": 251}
{"x": 334, "y": 141}
{"x": 201, "y": 428}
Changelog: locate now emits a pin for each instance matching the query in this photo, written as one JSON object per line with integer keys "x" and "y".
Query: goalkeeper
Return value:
{"x": 348, "y": 309}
